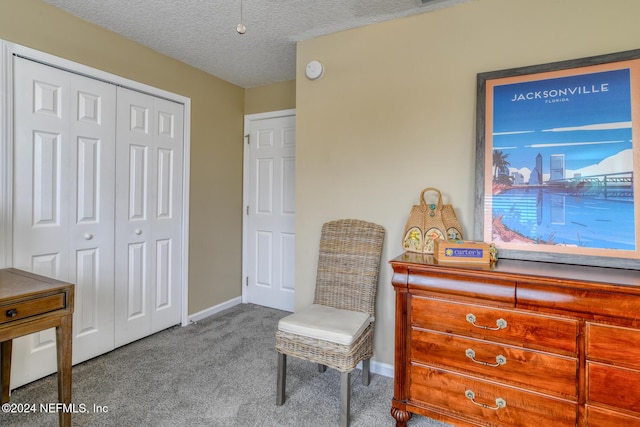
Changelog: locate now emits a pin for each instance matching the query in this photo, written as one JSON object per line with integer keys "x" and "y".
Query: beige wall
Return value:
{"x": 395, "y": 112}
{"x": 274, "y": 97}
{"x": 217, "y": 114}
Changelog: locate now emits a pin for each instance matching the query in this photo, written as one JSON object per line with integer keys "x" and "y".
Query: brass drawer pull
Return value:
{"x": 502, "y": 324}
{"x": 500, "y": 359}
{"x": 500, "y": 402}
{"x": 12, "y": 312}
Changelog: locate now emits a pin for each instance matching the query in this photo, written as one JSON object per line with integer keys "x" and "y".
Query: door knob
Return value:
{"x": 138, "y": 231}
{"x": 88, "y": 236}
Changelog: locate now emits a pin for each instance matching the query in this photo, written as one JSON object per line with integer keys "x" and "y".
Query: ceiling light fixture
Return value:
{"x": 240, "y": 28}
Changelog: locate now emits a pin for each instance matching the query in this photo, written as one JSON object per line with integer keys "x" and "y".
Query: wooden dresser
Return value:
{"x": 521, "y": 343}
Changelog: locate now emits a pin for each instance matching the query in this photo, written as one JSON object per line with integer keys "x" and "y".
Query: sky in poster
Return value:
{"x": 586, "y": 117}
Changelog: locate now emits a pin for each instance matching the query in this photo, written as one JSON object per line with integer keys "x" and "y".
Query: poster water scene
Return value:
{"x": 562, "y": 162}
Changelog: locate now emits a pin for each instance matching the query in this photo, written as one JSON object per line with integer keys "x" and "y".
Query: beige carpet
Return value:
{"x": 218, "y": 372}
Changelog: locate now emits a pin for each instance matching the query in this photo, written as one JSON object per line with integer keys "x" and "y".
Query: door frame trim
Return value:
{"x": 7, "y": 51}
{"x": 248, "y": 119}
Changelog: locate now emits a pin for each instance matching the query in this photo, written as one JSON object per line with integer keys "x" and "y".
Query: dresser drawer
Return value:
{"x": 584, "y": 301}
{"x": 32, "y": 307}
{"x": 613, "y": 344}
{"x": 491, "y": 323}
{"x": 598, "y": 417}
{"x": 501, "y": 292}
{"x": 443, "y": 389}
{"x": 509, "y": 364}
{"x": 613, "y": 386}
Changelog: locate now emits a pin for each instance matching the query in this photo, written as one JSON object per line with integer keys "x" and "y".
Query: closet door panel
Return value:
{"x": 64, "y": 152}
{"x": 41, "y": 202}
{"x": 134, "y": 274}
{"x": 167, "y": 221}
{"x": 92, "y": 229}
{"x": 148, "y": 215}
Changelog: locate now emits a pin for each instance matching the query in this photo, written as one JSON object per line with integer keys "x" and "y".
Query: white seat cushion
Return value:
{"x": 326, "y": 323}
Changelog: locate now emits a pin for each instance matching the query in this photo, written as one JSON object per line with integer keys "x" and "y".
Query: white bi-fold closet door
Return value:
{"x": 97, "y": 202}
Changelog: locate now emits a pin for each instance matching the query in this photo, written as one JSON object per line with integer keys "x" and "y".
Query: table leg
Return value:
{"x": 5, "y": 372}
{"x": 64, "y": 336}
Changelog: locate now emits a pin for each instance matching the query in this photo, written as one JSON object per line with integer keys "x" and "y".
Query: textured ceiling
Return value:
{"x": 202, "y": 33}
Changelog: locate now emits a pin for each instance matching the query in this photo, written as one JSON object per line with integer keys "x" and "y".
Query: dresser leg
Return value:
{"x": 5, "y": 373}
{"x": 401, "y": 416}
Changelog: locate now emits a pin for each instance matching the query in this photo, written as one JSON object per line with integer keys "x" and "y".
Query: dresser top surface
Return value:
{"x": 522, "y": 270}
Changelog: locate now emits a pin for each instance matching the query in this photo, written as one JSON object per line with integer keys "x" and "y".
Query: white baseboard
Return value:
{"x": 214, "y": 310}
{"x": 379, "y": 368}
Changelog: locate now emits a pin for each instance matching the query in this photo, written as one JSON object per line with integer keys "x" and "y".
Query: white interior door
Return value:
{"x": 148, "y": 215}
{"x": 270, "y": 210}
{"x": 64, "y": 153}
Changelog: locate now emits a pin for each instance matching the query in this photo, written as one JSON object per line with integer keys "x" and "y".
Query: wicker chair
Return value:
{"x": 336, "y": 331}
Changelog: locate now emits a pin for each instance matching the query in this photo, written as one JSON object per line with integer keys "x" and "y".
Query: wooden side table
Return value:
{"x": 31, "y": 303}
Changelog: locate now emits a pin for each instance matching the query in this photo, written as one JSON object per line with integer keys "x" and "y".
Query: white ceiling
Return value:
{"x": 202, "y": 33}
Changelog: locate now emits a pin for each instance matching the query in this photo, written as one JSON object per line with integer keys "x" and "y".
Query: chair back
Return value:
{"x": 348, "y": 265}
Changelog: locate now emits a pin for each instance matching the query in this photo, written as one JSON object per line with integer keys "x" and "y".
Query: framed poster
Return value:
{"x": 557, "y": 161}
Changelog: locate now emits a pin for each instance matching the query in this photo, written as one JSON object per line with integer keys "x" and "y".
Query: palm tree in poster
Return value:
{"x": 501, "y": 167}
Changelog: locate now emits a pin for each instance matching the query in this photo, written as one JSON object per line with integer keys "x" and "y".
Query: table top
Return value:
{"x": 19, "y": 283}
